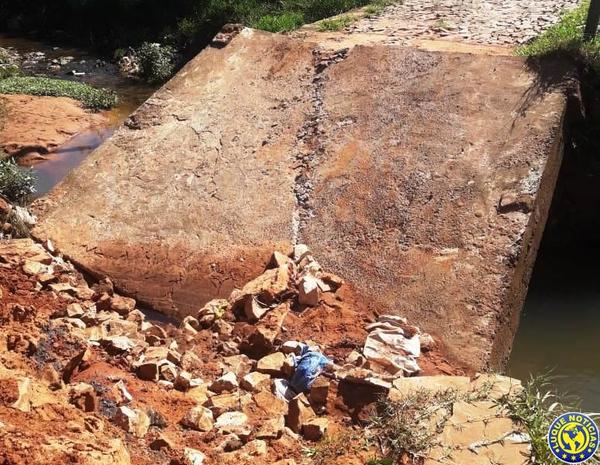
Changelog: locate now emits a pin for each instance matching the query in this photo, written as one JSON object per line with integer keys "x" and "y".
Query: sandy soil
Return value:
{"x": 33, "y": 126}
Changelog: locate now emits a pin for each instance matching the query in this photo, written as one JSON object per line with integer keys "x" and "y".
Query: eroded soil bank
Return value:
{"x": 33, "y": 127}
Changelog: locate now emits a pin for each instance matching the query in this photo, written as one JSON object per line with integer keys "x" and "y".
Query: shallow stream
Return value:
{"x": 97, "y": 73}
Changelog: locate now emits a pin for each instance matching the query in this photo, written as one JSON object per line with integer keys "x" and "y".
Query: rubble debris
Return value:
{"x": 241, "y": 405}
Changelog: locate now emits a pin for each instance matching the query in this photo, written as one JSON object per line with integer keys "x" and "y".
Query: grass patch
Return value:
{"x": 409, "y": 426}
{"x": 280, "y": 23}
{"x": 92, "y": 98}
{"x": 336, "y": 24}
{"x": 566, "y": 37}
{"x": 331, "y": 448}
{"x": 536, "y": 407}
{"x": 376, "y": 7}
{"x": 16, "y": 183}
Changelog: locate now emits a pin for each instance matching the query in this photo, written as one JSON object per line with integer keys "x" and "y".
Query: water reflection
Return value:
{"x": 60, "y": 163}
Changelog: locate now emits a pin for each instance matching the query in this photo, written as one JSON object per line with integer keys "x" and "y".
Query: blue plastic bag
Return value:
{"x": 309, "y": 365}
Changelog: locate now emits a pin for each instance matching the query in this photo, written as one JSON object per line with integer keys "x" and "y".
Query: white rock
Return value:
{"x": 193, "y": 456}
{"x": 226, "y": 383}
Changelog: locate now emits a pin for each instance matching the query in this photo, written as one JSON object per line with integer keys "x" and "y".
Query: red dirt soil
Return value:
{"x": 30, "y": 345}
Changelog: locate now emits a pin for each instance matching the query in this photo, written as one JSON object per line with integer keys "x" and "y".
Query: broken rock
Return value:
{"x": 83, "y": 396}
{"x": 212, "y": 311}
{"x": 254, "y": 381}
{"x": 132, "y": 421}
{"x": 226, "y": 383}
{"x": 198, "y": 418}
{"x": 319, "y": 391}
{"x": 273, "y": 364}
{"x": 226, "y": 403}
{"x": 233, "y": 423}
{"x": 308, "y": 291}
{"x": 193, "y": 457}
{"x": 271, "y": 428}
{"x": 315, "y": 428}
{"x": 299, "y": 413}
{"x": 122, "y": 305}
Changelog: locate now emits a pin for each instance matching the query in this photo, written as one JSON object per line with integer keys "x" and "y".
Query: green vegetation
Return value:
{"x": 376, "y": 7}
{"x": 156, "y": 62}
{"x": 404, "y": 426}
{"x": 92, "y": 98}
{"x": 331, "y": 448}
{"x": 280, "y": 23}
{"x": 535, "y": 408}
{"x": 336, "y": 24}
{"x": 567, "y": 37}
{"x": 111, "y": 24}
{"x": 16, "y": 183}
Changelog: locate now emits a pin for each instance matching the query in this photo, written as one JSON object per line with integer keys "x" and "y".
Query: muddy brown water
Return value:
{"x": 97, "y": 73}
{"x": 559, "y": 331}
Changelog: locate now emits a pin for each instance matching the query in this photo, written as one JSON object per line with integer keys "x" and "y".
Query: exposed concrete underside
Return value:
{"x": 389, "y": 162}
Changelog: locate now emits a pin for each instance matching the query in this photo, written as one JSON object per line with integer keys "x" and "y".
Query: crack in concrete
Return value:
{"x": 311, "y": 147}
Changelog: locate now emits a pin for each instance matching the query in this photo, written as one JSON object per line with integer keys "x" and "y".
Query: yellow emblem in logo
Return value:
{"x": 573, "y": 438}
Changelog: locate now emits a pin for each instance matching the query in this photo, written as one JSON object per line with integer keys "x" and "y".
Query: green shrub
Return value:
{"x": 535, "y": 407}
{"x": 280, "y": 23}
{"x": 7, "y": 71}
{"x": 95, "y": 99}
{"x": 156, "y": 62}
{"x": 16, "y": 183}
{"x": 377, "y": 6}
{"x": 189, "y": 29}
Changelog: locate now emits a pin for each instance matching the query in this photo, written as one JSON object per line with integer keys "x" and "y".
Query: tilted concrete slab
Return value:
{"x": 422, "y": 178}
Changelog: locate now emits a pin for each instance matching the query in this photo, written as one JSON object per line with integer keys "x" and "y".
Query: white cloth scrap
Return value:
{"x": 388, "y": 347}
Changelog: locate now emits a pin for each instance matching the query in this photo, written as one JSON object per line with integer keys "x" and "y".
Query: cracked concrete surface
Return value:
{"x": 389, "y": 162}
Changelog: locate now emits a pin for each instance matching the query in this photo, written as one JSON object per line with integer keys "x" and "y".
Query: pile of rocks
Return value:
{"x": 230, "y": 367}
{"x": 15, "y": 221}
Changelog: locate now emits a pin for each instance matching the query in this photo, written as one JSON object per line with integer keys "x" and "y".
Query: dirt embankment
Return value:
{"x": 33, "y": 126}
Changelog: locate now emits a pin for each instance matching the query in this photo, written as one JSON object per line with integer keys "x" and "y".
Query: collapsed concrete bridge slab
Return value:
{"x": 422, "y": 178}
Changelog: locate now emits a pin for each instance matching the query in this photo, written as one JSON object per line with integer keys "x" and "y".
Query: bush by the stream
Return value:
{"x": 156, "y": 61}
{"x": 92, "y": 98}
{"x": 16, "y": 183}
